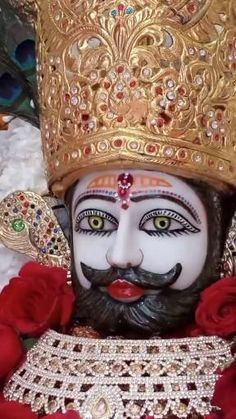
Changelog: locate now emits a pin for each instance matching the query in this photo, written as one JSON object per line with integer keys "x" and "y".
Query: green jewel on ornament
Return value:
{"x": 18, "y": 225}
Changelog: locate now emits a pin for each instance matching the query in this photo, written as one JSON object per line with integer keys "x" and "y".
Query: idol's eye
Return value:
{"x": 96, "y": 222}
{"x": 166, "y": 222}
{"x": 161, "y": 223}
{"x": 93, "y": 221}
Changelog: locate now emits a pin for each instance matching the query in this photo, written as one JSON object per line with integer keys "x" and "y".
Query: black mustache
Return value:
{"x": 136, "y": 276}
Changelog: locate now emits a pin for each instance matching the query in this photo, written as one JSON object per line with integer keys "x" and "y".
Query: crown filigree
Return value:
{"x": 143, "y": 84}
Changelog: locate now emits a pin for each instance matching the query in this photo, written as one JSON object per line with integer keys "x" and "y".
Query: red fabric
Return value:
{"x": 68, "y": 415}
{"x": 231, "y": 414}
{"x": 15, "y": 410}
{"x": 11, "y": 352}
{"x": 225, "y": 392}
{"x": 216, "y": 312}
{"x": 37, "y": 300}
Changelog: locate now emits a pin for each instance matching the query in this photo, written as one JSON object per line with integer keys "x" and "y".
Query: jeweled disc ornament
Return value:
{"x": 29, "y": 226}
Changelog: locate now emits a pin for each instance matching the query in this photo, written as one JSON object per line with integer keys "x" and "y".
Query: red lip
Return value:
{"x": 124, "y": 289}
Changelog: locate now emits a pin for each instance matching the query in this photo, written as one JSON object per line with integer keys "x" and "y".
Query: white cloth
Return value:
{"x": 21, "y": 168}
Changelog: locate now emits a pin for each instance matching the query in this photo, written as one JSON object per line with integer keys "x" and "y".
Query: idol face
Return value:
{"x": 140, "y": 240}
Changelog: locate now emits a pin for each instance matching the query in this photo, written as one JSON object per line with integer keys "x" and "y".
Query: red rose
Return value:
{"x": 11, "y": 352}
{"x": 216, "y": 313}
{"x": 37, "y": 300}
{"x": 225, "y": 392}
{"x": 68, "y": 415}
{"x": 15, "y": 410}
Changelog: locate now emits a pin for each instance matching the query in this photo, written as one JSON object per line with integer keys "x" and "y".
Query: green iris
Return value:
{"x": 96, "y": 222}
{"x": 161, "y": 223}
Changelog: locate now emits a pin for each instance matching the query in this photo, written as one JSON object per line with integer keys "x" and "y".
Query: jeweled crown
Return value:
{"x": 141, "y": 83}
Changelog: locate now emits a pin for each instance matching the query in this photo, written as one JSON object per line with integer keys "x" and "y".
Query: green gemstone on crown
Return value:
{"x": 18, "y": 225}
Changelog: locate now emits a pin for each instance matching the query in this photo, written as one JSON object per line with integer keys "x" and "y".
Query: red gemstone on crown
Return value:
{"x": 181, "y": 91}
{"x": 103, "y": 108}
{"x": 118, "y": 143}
{"x": 165, "y": 117}
{"x": 85, "y": 117}
{"x": 66, "y": 97}
{"x": 160, "y": 122}
{"x": 182, "y": 154}
{"x": 159, "y": 90}
{"x": 151, "y": 148}
{"x": 172, "y": 107}
{"x": 121, "y": 7}
{"x": 87, "y": 150}
{"x": 192, "y": 7}
{"x": 132, "y": 83}
{"x": 120, "y": 69}
{"x": 107, "y": 85}
{"x": 120, "y": 95}
{"x": 219, "y": 116}
{"x": 120, "y": 118}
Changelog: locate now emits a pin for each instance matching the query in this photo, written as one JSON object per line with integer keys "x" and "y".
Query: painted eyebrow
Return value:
{"x": 108, "y": 198}
{"x": 176, "y": 199}
{"x": 172, "y": 198}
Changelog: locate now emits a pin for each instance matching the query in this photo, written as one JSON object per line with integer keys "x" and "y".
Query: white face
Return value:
{"x": 165, "y": 224}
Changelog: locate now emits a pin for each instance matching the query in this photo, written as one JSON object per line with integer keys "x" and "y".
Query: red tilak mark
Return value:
{"x": 125, "y": 181}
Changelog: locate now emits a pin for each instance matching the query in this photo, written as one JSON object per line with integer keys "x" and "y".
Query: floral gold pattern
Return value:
{"x": 138, "y": 84}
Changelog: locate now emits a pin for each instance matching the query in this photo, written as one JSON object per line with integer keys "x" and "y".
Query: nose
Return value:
{"x": 124, "y": 251}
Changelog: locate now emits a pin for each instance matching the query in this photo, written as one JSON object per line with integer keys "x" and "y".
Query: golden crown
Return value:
{"x": 141, "y": 83}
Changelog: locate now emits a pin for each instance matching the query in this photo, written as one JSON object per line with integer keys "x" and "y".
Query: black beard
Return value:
{"x": 150, "y": 314}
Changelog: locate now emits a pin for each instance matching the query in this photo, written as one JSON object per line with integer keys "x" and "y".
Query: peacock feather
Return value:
{"x": 18, "y": 87}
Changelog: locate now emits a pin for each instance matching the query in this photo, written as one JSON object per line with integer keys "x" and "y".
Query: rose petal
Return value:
{"x": 37, "y": 300}
{"x": 225, "y": 390}
{"x": 12, "y": 351}
{"x": 216, "y": 312}
{"x": 15, "y": 410}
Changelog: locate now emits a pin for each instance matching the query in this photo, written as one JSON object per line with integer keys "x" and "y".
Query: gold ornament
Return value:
{"x": 138, "y": 84}
{"x": 29, "y": 226}
{"x": 120, "y": 378}
{"x": 228, "y": 263}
